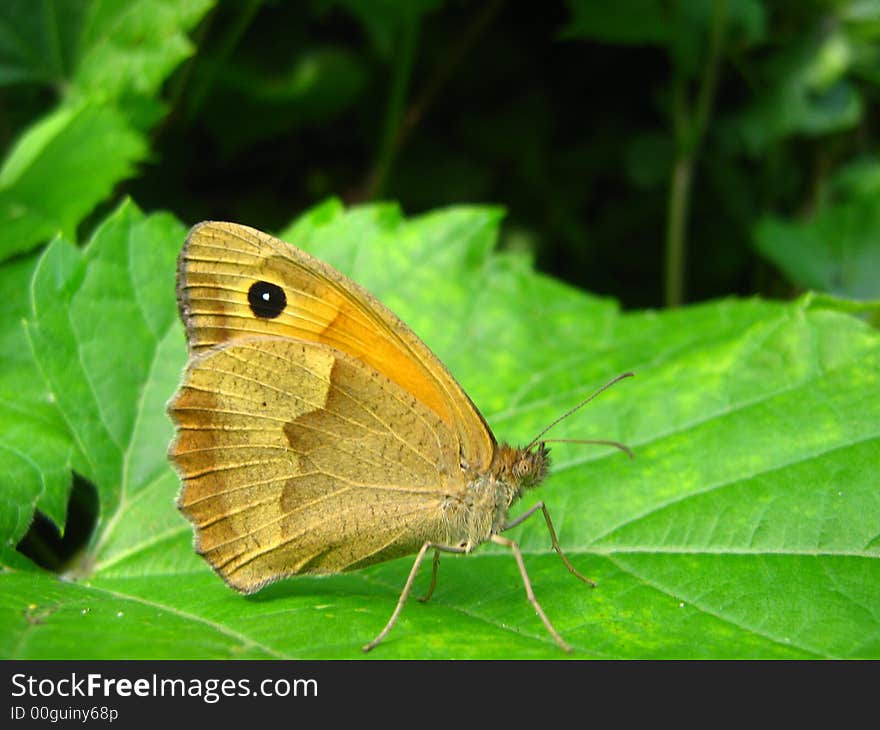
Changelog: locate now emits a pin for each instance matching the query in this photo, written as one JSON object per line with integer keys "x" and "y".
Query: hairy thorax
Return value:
{"x": 482, "y": 512}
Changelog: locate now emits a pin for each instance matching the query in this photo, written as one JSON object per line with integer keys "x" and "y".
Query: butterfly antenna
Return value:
{"x": 581, "y": 405}
{"x": 601, "y": 442}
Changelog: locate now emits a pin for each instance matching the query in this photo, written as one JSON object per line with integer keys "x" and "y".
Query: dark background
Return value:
{"x": 655, "y": 151}
{"x": 573, "y": 116}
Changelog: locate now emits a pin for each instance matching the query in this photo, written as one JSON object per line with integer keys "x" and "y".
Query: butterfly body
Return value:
{"x": 489, "y": 495}
{"x": 316, "y": 433}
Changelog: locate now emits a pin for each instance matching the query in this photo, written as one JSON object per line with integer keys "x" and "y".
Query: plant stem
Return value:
{"x": 400, "y": 123}
{"x": 394, "y": 113}
{"x": 689, "y": 133}
{"x": 453, "y": 58}
{"x": 676, "y": 224}
{"x": 225, "y": 47}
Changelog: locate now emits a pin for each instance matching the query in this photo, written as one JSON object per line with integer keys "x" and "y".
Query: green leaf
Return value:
{"x": 34, "y": 44}
{"x": 311, "y": 88}
{"x": 106, "y": 60}
{"x": 835, "y": 250}
{"x": 661, "y": 23}
{"x": 746, "y": 526}
{"x": 108, "y": 48}
{"x": 43, "y": 190}
{"x": 102, "y": 333}
{"x": 34, "y": 449}
{"x": 632, "y": 22}
{"x": 805, "y": 90}
{"x": 383, "y": 20}
{"x": 133, "y": 46}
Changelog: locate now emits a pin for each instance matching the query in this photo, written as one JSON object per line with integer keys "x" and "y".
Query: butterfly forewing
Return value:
{"x": 222, "y": 262}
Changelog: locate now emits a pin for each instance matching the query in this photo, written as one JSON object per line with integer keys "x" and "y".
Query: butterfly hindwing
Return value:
{"x": 289, "y": 465}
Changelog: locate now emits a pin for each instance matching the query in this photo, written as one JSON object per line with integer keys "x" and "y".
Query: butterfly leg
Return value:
{"x": 404, "y": 594}
{"x": 427, "y": 596}
{"x": 540, "y": 506}
{"x": 530, "y": 594}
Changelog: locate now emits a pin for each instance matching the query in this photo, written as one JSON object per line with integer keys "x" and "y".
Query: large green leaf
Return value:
{"x": 35, "y": 449}
{"x": 748, "y": 524}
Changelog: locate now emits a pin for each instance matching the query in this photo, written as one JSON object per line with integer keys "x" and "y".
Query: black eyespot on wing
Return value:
{"x": 267, "y": 300}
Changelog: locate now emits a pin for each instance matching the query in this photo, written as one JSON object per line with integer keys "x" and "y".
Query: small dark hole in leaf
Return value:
{"x": 43, "y": 544}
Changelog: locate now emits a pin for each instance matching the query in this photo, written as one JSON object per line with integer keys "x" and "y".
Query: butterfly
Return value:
{"x": 316, "y": 433}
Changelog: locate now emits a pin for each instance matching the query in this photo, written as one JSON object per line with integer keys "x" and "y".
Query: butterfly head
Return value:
{"x": 522, "y": 468}
{"x": 532, "y": 466}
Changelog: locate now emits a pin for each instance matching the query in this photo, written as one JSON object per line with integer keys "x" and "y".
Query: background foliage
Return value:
{"x": 653, "y": 153}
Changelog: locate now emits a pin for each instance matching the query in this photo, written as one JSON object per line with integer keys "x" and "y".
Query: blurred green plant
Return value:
{"x": 836, "y": 246}
{"x": 104, "y": 63}
{"x": 718, "y": 116}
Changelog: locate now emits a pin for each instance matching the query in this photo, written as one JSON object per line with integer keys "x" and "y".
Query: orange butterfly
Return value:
{"x": 316, "y": 433}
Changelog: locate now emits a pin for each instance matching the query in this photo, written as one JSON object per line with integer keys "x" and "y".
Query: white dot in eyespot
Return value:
{"x": 265, "y": 296}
